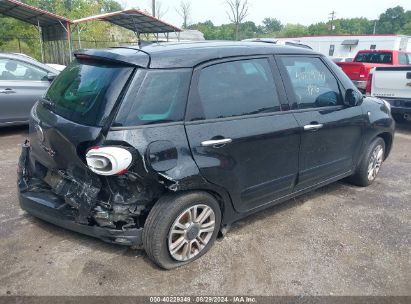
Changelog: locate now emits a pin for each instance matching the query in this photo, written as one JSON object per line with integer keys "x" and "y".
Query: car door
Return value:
{"x": 330, "y": 131}
{"x": 239, "y": 137}
{"x": 21, "y": 85}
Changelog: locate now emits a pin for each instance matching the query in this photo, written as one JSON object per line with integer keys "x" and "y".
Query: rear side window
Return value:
{"x": 11, "y": 69}
{"x": 403, "y": 59}
{"x": 312, "y": 82}
{"x": 237, "y": 88}
{"x": 161, "y": 98}
{"x": 86, "y": 91}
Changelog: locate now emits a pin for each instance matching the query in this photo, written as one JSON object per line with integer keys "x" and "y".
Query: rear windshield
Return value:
{"x": 374, "y": 57}
{"x": 86, "y": 91}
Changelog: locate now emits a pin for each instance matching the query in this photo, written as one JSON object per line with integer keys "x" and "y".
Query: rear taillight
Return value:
{"x": 362, "y": 72}
{"x": 108, "y": 160}
{"x": 369, "y": 84}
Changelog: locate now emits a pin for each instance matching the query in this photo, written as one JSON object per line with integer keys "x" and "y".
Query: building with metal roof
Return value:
{"x": 134, "y": 20}
{"x": 51, "y": 27}
{"x": 56, "y": 30}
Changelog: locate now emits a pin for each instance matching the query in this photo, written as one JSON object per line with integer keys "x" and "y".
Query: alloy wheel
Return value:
{"x": 375, "y": 162}
{"x": 191, "y": 232}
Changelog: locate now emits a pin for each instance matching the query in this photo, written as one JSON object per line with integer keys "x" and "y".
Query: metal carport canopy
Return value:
{"x": 50, "y": 26}
{"x": 134, "y": 20}
{"x": 30, "y": 14}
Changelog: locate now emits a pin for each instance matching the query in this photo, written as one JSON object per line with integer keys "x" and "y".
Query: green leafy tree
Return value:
{"x": 248, "y": 30}
{"x": 392, "y": 21}
{"x": 320, "y": 28}
{"x": 271, "y": 25}
{"x": 291, "y": 30}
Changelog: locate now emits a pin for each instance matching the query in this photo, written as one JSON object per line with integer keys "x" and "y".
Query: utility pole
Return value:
{"x": 153, "y": 4}
{"x": 332, "y": 17}
{"x": 375, "y": 26}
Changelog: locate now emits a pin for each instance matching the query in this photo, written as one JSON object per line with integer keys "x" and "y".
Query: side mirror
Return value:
{"x": 352, "y": 98}
{"x": 51, "y": 76}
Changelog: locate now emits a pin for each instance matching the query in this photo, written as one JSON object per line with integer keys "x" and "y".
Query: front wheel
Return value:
{"x": 181, "y": 228}
{"x": 370, "y": 164}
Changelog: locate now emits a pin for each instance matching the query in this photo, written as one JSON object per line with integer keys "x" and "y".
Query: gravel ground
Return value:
{"x": 338, "y": 240}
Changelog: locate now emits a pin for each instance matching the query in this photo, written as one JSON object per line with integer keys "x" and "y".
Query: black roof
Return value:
{"x": 180, "y": 55}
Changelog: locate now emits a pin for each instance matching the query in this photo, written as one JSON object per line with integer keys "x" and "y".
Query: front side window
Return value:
{"x": 11, "y": 69}
{"x": 237, "y": 88}
{"x": 311, "y": 81}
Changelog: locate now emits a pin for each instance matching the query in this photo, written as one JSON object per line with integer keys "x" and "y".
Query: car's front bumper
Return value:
{"x": 50, "y": 207}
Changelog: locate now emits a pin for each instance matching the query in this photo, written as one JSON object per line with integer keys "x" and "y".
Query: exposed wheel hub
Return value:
{"x": 192, "y": 232}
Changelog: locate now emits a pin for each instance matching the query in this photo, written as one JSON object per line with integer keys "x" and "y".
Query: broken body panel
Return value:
{"x": 113, "y": 208}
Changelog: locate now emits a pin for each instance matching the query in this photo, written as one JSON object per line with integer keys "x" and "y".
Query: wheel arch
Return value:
{"x": 228, "y": 214}
{"x": 388, "y": 140}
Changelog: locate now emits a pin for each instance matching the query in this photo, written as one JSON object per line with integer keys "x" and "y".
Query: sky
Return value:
{"x": 287, "y": 11}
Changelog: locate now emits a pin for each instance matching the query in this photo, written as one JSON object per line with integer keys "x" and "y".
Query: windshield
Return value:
{"x": 86, "y": 91}
{"x": 374, "y": 57}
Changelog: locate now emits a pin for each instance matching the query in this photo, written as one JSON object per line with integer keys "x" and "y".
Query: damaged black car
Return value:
{"x": 164, "y": 147}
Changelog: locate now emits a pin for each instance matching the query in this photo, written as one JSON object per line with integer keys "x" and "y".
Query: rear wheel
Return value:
{"x": 181, "y": 228}
{"x": 370, "y": 164}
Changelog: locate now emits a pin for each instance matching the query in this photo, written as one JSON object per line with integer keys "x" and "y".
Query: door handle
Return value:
{"x": 7, "y": 91}
{"x": 313, "y": 127}
{"x": 216, "y": 142}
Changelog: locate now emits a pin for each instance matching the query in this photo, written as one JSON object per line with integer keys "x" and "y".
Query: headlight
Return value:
{"x": 387, "y": 104}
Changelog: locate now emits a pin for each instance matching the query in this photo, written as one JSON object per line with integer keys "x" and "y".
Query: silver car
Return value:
{"x": 23, "y": 81}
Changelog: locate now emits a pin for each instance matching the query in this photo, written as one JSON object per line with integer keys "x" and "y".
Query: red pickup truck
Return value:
{"x": 359, "y": 70}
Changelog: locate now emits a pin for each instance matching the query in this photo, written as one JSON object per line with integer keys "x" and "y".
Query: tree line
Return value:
{"x": 393, "y": 21}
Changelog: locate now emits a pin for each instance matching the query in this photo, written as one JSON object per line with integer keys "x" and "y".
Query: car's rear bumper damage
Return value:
{"x": 40, "y": 199}
{"x": 50, "y": 208}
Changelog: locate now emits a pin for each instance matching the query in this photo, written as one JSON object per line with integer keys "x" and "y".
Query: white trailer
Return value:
{"x": 347, "y": 46}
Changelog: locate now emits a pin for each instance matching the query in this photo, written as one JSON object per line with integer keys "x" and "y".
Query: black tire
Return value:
{"x": 162, "y": 216}
{"x": 360, "y": 177}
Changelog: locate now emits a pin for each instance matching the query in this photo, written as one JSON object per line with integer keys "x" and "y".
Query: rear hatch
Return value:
{"x": 75, "y": 110}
